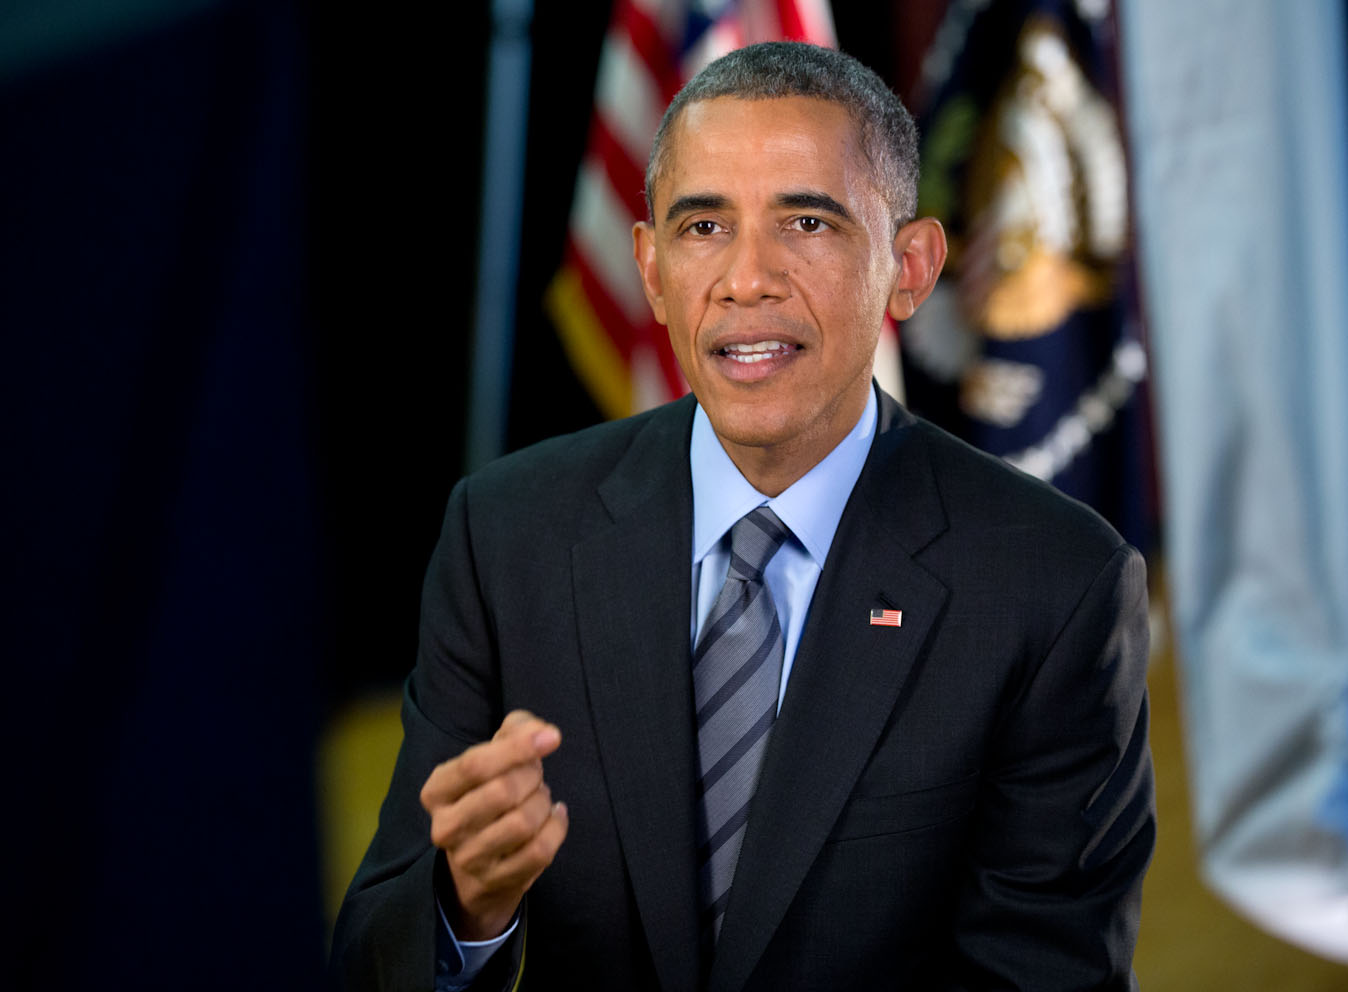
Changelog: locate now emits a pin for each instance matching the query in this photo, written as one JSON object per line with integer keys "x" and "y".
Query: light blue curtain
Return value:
{"x": 1239, "y": 138}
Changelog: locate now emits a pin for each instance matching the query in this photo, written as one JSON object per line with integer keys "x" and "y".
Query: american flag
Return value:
{"x": 886, "y": 618}
{"x": 652, "y": 48}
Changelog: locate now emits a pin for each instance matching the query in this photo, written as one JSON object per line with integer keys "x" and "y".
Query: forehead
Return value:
{"x": 727, "y": 143}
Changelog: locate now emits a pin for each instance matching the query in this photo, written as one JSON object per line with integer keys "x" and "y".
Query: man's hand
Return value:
{"x": 493, "y": 816}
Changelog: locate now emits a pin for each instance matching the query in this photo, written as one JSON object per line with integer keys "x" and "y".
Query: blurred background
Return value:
{"x": 273, "y": 275}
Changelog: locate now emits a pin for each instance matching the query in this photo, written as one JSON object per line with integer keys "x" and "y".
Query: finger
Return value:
{"x": 525, "y": 740}
{"x": 452, "y": 823}
{"x": 505, "y": 882}
{"x": 520, "y": 723}
{"x": 521, "y": 868}
{"x": 513, "y": 719}
{"x": 507, "y": 833}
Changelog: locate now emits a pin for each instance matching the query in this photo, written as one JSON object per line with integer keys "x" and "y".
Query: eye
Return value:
{"x": 811, "y": 225}
{"x": 703, "y": 228}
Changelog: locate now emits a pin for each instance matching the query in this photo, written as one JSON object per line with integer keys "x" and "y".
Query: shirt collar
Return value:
{"x": 811, "y": 506}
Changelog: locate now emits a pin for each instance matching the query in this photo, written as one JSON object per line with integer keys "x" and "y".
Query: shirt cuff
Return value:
{"x": 458, "y": 962}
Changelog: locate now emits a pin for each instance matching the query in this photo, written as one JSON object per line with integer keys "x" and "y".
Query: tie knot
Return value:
{"x": 754, "y": 539}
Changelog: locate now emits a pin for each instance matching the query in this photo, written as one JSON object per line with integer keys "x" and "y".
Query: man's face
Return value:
{"x": 771, "y": 261}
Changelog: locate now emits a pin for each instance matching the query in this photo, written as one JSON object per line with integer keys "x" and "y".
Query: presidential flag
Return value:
{"x": 1030, "y": 346}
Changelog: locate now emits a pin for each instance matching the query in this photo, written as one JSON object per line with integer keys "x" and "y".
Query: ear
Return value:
{"x": 643, "y": 250}
{"x": 920, "y": 249}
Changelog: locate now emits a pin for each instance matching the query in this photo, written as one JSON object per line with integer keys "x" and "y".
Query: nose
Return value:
{"x": 753, "y": 270}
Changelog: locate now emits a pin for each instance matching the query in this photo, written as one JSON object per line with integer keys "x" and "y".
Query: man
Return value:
{"x": 845, "y": 704}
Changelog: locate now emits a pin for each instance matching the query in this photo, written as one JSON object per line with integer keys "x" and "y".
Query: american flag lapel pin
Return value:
{"x": 886, "y": 618}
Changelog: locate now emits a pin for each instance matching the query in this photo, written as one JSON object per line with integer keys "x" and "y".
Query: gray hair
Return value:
{"x": 777, "y": 69}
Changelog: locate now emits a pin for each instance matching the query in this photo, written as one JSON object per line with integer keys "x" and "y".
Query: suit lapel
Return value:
{"x": 632, "y": 593}
{"x": 844, "y": 686}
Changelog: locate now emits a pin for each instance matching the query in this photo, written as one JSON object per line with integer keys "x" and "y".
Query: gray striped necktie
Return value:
{"x": 737, "y": 668}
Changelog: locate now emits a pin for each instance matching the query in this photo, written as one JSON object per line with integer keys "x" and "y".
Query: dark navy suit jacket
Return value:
{"x": 963, "y": 801}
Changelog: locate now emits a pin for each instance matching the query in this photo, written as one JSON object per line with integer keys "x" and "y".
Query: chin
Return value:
{"x": 754, "y": 428}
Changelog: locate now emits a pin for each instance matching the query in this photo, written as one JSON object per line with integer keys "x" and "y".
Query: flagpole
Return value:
{"x": 506, "y": 125}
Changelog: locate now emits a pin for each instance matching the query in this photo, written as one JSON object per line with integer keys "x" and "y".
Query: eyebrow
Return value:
{"x": 694, "y": 202}
{"x": 798, "y": 200}
{"x": 811, "y": 200}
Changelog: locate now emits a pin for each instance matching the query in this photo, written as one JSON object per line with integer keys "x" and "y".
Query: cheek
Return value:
{"x": 869, "y": 298}
{"x": 681, "y": 327}
{"x": 684, "y": 310}
{"x": 855, "y": 272}
{"x": 846, "y": 298}
{"x": 678, "y": 336}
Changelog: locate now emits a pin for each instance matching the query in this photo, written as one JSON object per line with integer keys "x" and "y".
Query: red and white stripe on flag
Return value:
{"x": 886, "y": 618}
{"x": 652, "y": 48}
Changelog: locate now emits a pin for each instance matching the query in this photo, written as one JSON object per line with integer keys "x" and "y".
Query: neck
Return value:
{"x": 773, "y": 468}
{"x": 769, "y": 476}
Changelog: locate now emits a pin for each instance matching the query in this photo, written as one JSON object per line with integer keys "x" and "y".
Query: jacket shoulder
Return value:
{"x": 570, "y": 465}
{"x": 988, "y": 504}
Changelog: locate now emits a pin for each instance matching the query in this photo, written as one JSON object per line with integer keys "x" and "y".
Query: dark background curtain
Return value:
{"x": 237, "y": 255}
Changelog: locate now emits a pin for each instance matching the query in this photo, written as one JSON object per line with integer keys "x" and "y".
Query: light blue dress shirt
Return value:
{"x": 810, "y": 507}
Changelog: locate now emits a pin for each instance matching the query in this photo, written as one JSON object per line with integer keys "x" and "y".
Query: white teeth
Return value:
{"x": 745, "y": 349}
{"x": 756, "y": 352}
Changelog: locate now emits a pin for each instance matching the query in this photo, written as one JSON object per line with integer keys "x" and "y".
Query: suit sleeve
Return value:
{"x": 1066, "y": 825}
{"x": 386, "y": 932}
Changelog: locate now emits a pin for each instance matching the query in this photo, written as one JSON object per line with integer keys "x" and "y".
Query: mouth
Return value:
{"x": 759, "y": 351}
{"x": 748, "y": 362}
